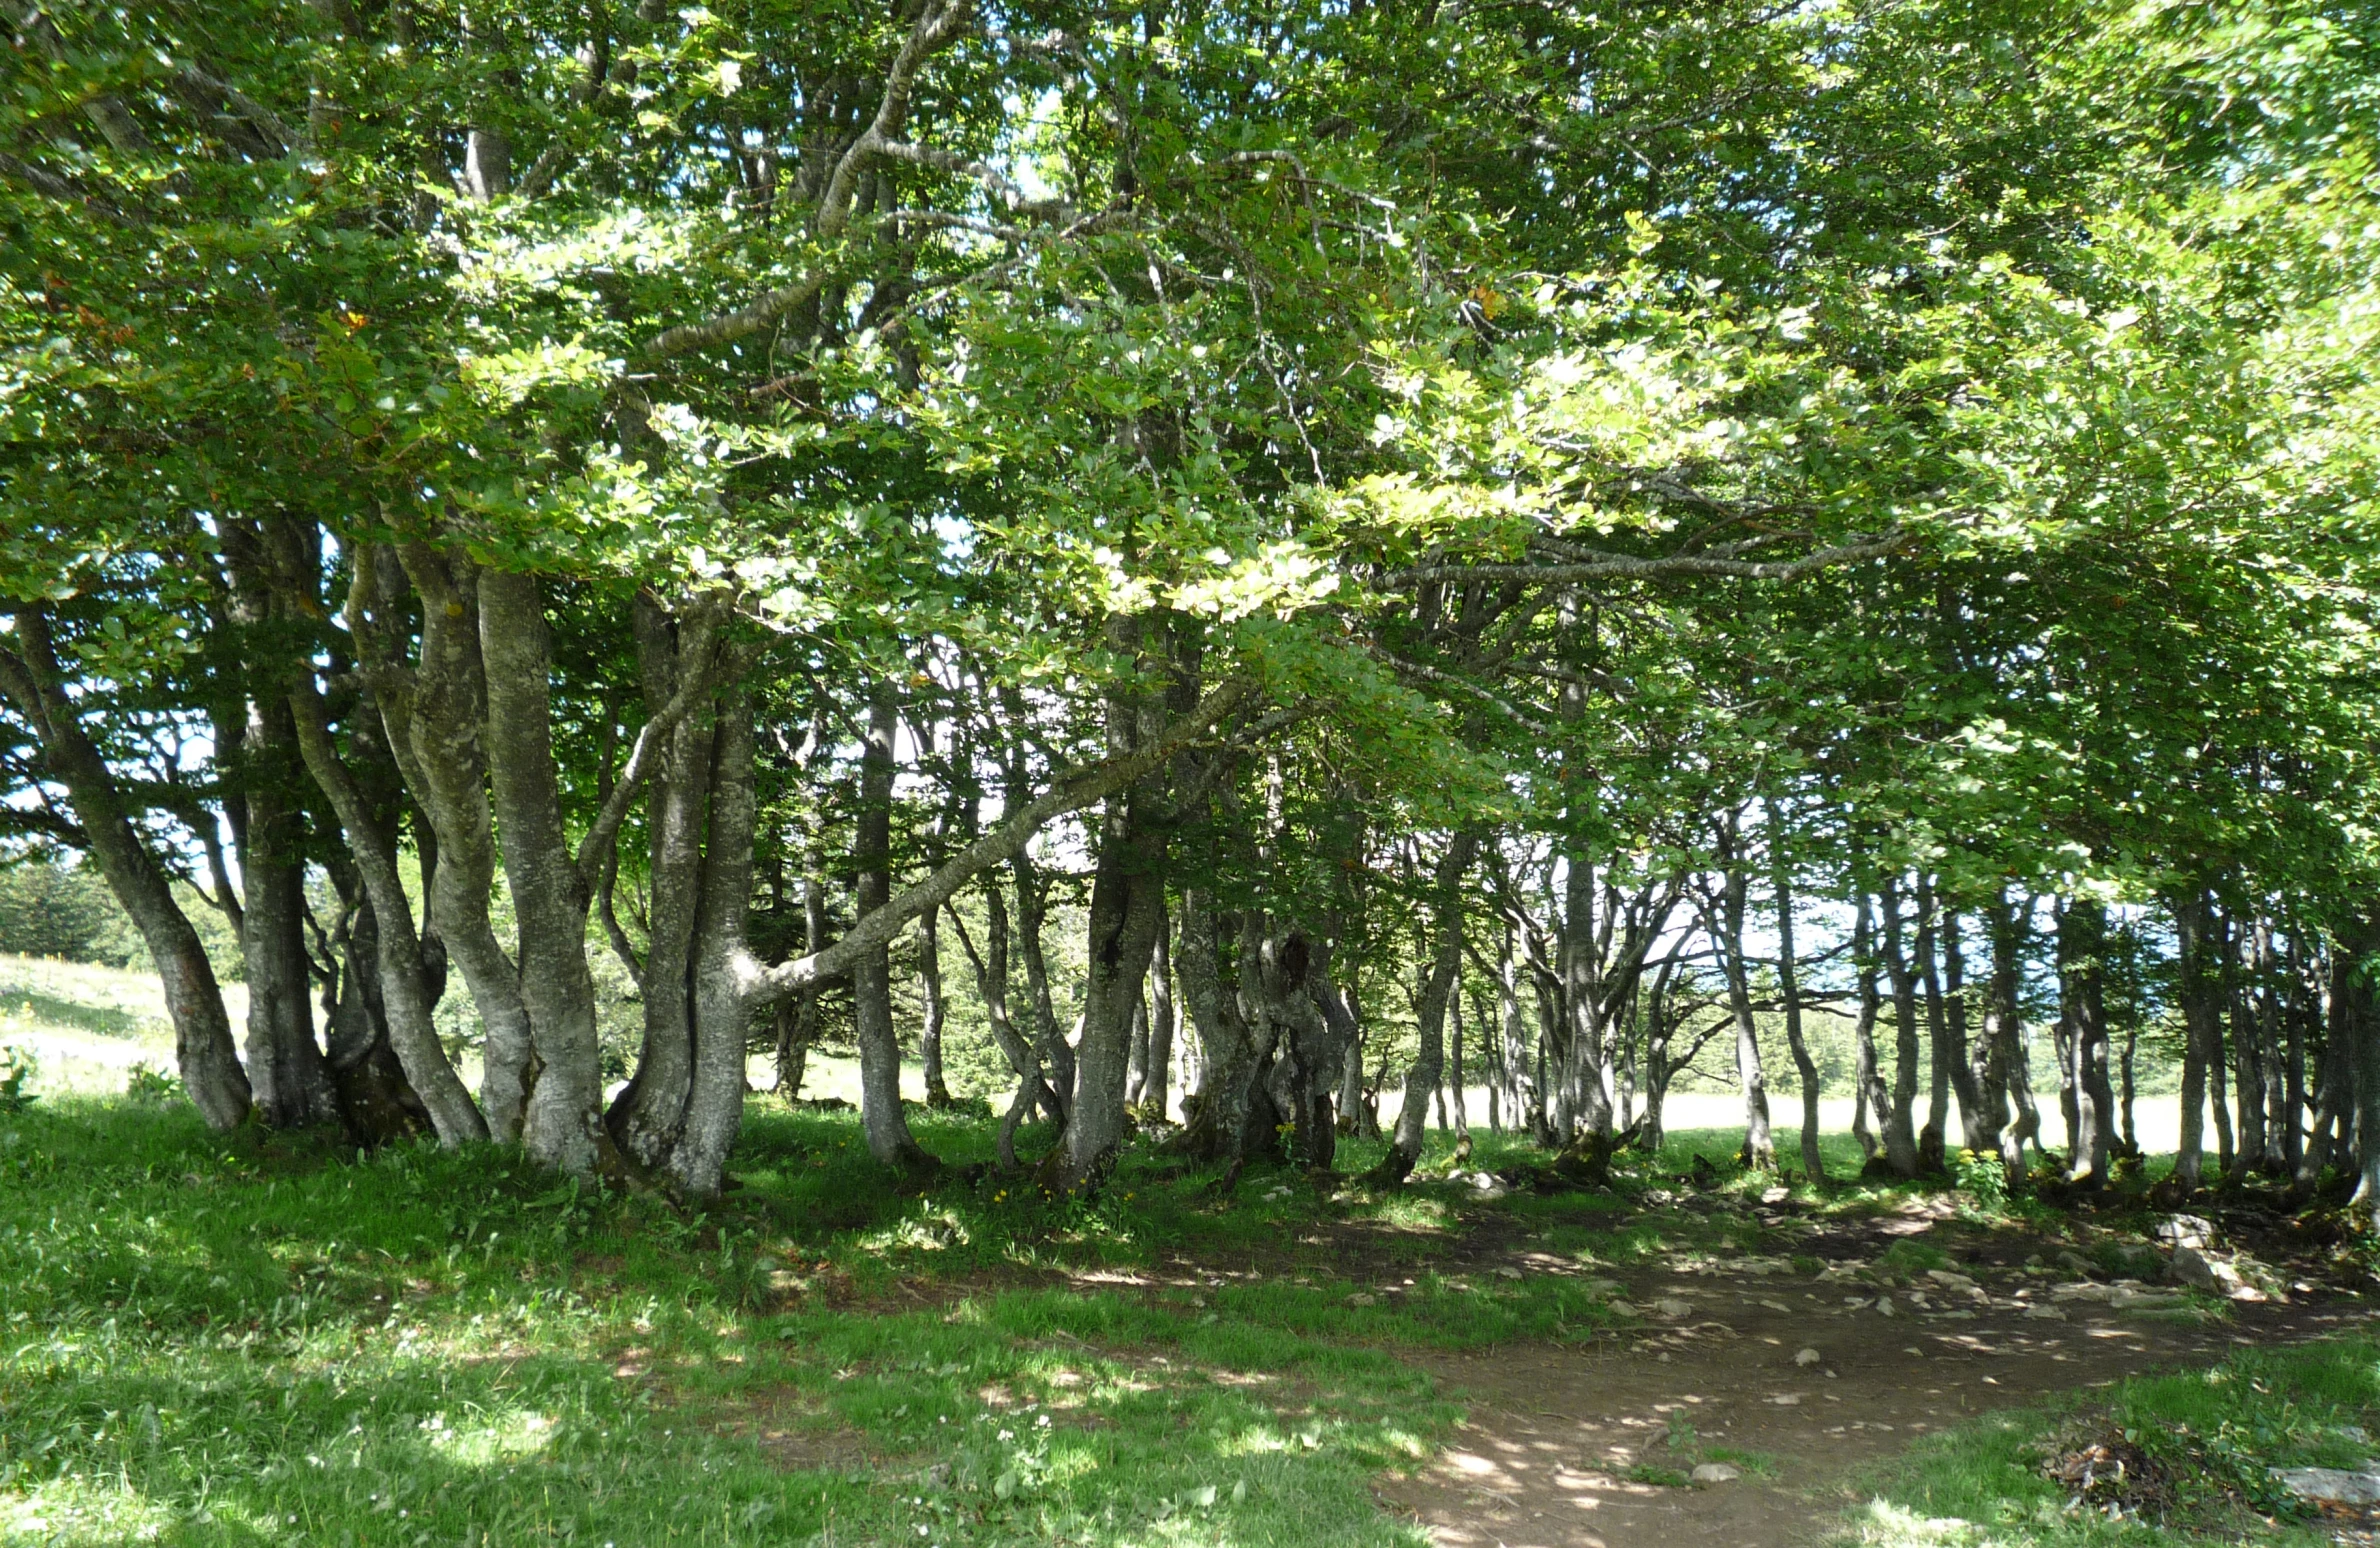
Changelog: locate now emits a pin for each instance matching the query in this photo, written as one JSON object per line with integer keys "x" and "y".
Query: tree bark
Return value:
{"x": 936, "y": 1011}
{"x": 1404, "y": 1151}
{"x": 563, "y": 1124}
{"x": 406, "y": 996}
{"x": 2082, "y": 940}
{"x": 1867, "y": 1084}
{"x": 203, "y": 1048}
{"x": 1900, "y": 1138}
{"x": 1157, "y": 1090}
{"x": 2003, "y": 1038}
{"x": 1805, "y": 1068}
{"x": 887, "y": 1127}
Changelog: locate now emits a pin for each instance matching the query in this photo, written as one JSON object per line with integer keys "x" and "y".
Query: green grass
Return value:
{"x": 2217, "y": 1433}
{"x": 262, "y": 1340}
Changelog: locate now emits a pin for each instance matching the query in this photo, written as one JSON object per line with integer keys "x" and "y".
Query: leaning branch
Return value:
{"x": 770, "y": 985}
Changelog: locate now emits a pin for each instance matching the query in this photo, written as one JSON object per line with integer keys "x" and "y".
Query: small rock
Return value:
{"x": 1363, "y": 1298}
{"x": 1807, "y": 1357}
{"x": 2045, "y": 1313}
{"x": 2330, "y": 1485}
{"x": 2188, "y": 1266}
{"x": 1787, "y": 1400}
{"x": 1488, "y": 1185}
{"x": 1507, "y": 1271}
{"x": 1775, "y": 1195}
{"x": 1949, "y": 1281}
{"x": 2186, "y": 1231}
{"x": 1671, "y": 1306}
{"x": 2074, "y": 1262}
{"x": 2144, "y": 1300}
{"x": 1624, "y": 1308}
{"x": 1717, "y": 1472}
{"x": 1884, "y": 1306}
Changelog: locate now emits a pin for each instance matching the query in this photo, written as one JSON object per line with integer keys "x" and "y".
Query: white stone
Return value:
{"x": 2331, "y": 1485}
{"x": 1807, "y": 1357}
{"x": 1717, "y": 1472}
{"x": 1671, "y": 1306}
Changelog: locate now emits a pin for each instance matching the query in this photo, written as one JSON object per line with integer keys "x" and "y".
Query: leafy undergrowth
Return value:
{"x": 2184, "y": 1458}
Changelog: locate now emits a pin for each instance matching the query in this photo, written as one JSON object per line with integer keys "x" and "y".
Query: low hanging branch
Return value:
{"x": 768, "y": 985}
{"x": 1605, "y": 566}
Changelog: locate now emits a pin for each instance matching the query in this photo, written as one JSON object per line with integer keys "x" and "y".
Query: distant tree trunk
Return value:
{"x": 797, "y": 1019}
{"x": 1032, "y": 914}
{"x": 991, "y": 984}
{"x": 2004, "y": 1042}
{"x": 1156, "y": 1091}
{"x": 1933, "y": 1140}
{"x": 203, "y": 1048}
{"x": 929, "y": 982}
{"x": 1760, "y": 1148}
{"x": 2218, "y": 1067}
{"x": 1585, "y": 1100}
{"x": 2335, "y": 1090}
{"x": 1126, "y": 914}
{"x": 2358, "y": 1029}
{"x": 2247, "y": 1053}
{"x": 1963, "y": 1071}
{"x": 1446, "y": 960}
{"x": 1900, "y": 1137}
{"x": 1521, "y": 1089}
{"x": 2082, "y": 945}
{"x": 287, "y": 1071}
{"x": 1454, "y": 1058}
{"x": 1805, "y": 1069}
{"x": 2131, "y": 1129}
{"x": 2196, "y": 988}
{"x": 881, "y": 1117}
{"x": 1867, "y": 1085}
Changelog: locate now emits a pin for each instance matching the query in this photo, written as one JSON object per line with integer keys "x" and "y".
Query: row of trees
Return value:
{"x": 1388, "y": 484}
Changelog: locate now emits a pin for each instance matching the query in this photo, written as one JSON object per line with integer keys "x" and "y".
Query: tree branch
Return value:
{"x": 1610, "y": 565}
{"x": 771, "y": 984}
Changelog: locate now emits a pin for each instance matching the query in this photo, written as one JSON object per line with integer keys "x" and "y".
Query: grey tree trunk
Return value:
{"x": 722, "y": 1005}
{"x": 2003, "y": 1035}
{"x": 1760, "y": 1146}
{"x": 650, "y": 1112}
{"x": 1805, "y": 1068}
{"x": 1157, "y": 1091}
{"x": 1900, "y": 1136}
{"x": 1965, "y": 1072}
{"x": 992, "y": 985}
{"x": 1933, "y": 1140}
{"x": 434, "y": 717}
{"x": 563, "y": 1125}
{"x": 1446, "y": 960}
{"x": 203, "y": 1048}
{"x": 929, "y": 985}
{"x": 1868, "y": 1096}
{"x": 406, "y": 996}
{"x": 2082, "y": 937}
{"x": 287, "y": 1071}
{"x": 887, "y": 1127}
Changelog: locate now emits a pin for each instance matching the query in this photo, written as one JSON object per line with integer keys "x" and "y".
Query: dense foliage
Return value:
{"x": 1377, "y": 517}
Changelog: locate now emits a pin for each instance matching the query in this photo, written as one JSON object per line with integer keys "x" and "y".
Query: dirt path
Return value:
{"x": 1545, "y": 1456}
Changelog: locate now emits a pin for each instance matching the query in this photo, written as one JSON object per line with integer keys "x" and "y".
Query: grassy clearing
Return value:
{"x": 2198, "y": 1449}
{"x": 260, "y": 1340}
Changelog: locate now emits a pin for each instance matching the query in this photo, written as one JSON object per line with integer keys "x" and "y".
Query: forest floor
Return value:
{"x": 267, "y": 1339}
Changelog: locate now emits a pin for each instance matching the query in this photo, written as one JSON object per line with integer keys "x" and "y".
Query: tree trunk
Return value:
{"x": 406, "y": 996}
{"x": 203, "y": 1048}
{"x": 1933, "y": 1141}
{"x": 433, "y": 714}
{"x": 886, "y": 1126}
{"x": 1760, "y": 1147}
{"x": 929, "y": 984}
{"x": 2082, "y": 942}
{"x": 991, "y": 985}
{"x": 2357, "y": 1027}
{"x": 1156, "y": 1094}
{"x": 649, "y": 1114}
{"x": 1867, "y": 1095}
{"x": 1454, "y": 1058}
{"x": 1805, "y": 1068}
{"x": 1404, "y": 1151}
{"x": 562, "y": 1125}
{"x": 287, "y": 1071}
{"x": 1585, "y": 1101}
{"x": 1900, "y": 1138}
{"x": 722, "y": 1007}
{"x": 2003, "y": 1038}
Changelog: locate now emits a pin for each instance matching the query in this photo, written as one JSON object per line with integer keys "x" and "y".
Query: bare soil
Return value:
{"x": 1567, "y": 1447}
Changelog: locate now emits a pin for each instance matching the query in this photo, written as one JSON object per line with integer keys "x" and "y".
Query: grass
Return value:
{"x": 262, "y": 1340}
{"x": 2211, "y": 1436}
